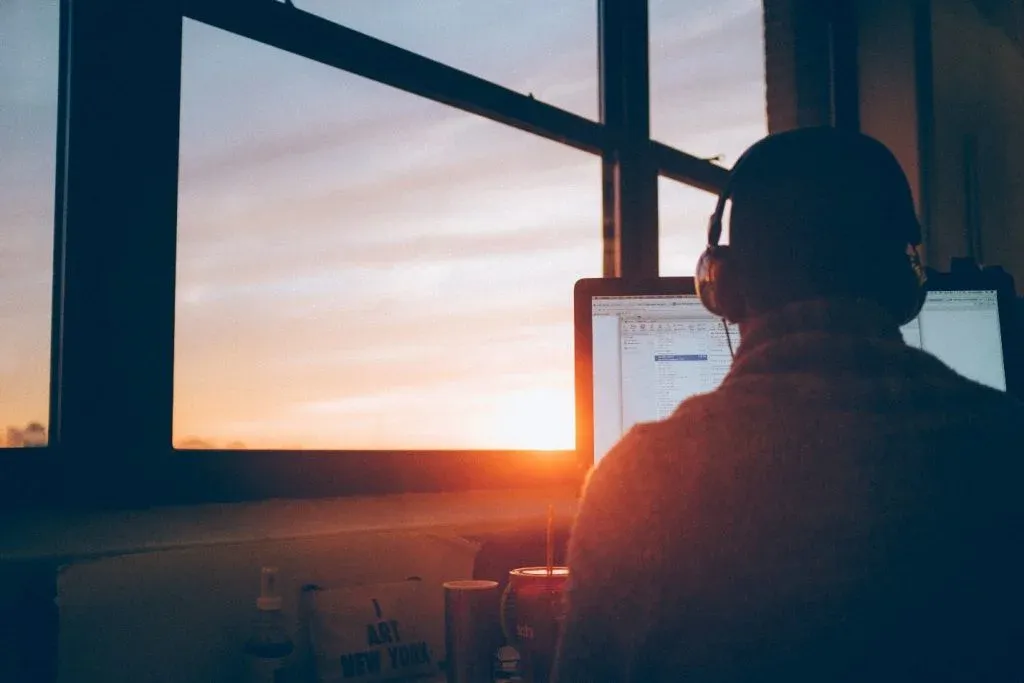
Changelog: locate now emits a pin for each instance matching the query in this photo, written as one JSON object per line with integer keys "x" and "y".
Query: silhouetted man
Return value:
{"x": 844, "y": 507}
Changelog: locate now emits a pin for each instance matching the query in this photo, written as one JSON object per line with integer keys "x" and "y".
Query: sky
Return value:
{"x": 359, "y": 267}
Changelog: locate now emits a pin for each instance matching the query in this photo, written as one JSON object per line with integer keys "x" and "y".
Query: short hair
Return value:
{"x": 819, "y": 213}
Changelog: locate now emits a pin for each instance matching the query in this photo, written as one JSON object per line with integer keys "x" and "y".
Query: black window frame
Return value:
{"x": 112, "y": 351}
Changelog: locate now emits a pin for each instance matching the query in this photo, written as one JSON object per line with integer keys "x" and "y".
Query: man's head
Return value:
{"x": 817, "y": 213}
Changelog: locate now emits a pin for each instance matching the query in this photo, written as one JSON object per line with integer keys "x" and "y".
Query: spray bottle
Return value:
{"x": 269, "y": 646}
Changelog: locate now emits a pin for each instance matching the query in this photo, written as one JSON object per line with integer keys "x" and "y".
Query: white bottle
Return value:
{"x": 269, "y": 645}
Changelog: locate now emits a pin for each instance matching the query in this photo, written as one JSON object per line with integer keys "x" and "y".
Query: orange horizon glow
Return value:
{"x": 503, "y": 422}
{"x": 363, "y": 269}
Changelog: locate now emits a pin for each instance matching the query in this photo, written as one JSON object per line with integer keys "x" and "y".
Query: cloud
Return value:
{"x": 200, "y": 163}
{"x": 405, "y": 193}
{"x": 530, "y": 46}
{"x": 712, "y": 72}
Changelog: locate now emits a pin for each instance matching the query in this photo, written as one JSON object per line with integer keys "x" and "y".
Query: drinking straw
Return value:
{"x": 551, "y": 540}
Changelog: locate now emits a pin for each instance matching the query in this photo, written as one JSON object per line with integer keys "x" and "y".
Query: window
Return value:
{"x": 29, "y": 55}
{"x": 683, "y": 213}
{"x": 359, "y": 268}
{"x": 707, "y": 76}
{"x": 533, "y": 46}
{"x": 372, "y": 266}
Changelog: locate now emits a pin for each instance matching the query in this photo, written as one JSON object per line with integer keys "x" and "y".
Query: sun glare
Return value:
{"x": 534, "y": 419}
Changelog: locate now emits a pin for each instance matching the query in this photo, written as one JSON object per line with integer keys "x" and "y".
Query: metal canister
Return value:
{"x": 533, "y": 608}
{"x": 472, "y": 630}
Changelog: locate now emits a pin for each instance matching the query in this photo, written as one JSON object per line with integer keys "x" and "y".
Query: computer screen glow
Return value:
{"x": 651, "y": 352}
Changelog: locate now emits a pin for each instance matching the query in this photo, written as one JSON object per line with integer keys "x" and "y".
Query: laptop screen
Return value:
{"x": 651, "y": 352}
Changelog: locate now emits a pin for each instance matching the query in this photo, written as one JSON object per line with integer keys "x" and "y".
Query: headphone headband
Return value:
{"x": 715, "y": 222}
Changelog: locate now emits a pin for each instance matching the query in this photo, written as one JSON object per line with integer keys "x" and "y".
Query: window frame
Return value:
{"x": 112, "y": 349}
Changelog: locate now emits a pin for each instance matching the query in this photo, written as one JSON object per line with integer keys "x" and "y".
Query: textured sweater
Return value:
{"x": 843, "y": 507}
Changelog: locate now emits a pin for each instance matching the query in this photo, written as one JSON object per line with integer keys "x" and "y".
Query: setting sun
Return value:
{"x": 540, "y": 419}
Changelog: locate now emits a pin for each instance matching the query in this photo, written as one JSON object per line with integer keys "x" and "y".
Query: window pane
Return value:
{"x": 29, "y": 54}
{"x": 707, "y": 75}
{"x": 362, "y": 268}
{"x": 532, "y": 46}
{"x": 683, "y": 213}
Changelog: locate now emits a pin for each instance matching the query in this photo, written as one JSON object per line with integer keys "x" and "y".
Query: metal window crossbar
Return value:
{"x": 294, "y": 30}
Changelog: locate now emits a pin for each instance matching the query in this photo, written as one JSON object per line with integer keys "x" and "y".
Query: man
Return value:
{"x": 843, "y": 507}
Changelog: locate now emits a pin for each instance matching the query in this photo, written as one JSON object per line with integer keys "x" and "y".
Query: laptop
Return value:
{"x": 643, "y": 347}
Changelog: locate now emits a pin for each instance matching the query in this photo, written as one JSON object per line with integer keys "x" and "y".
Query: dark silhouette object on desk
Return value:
{"x": 843, "y": 507}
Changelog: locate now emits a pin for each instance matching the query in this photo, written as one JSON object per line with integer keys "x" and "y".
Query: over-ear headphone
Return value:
{"x": 716, "y": 276}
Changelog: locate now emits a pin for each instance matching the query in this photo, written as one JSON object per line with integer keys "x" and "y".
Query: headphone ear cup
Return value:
{"x": 715, "y": 284}
{"x": 705, "y": 280}
{"x": 909, "y": 295}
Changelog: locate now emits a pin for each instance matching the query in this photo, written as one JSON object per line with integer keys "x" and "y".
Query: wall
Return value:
{"x": 796, "y": 43}
{"x": 978, "y": 100}
{"x": 166, "y": 595}
{"x": 939, "y": 82}
{"x": 888, "y": 75}
{"x": 940, "y": 85}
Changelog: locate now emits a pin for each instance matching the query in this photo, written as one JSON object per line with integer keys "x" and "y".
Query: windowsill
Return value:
{"x": 61, "y": 536}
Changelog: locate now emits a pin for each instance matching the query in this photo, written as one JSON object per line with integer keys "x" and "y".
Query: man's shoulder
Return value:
{"x": 998, "y": 406}
{"x": 973, "y": 396}
{"x": 692, "y": 419}
{"x": 683, "y": 436}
